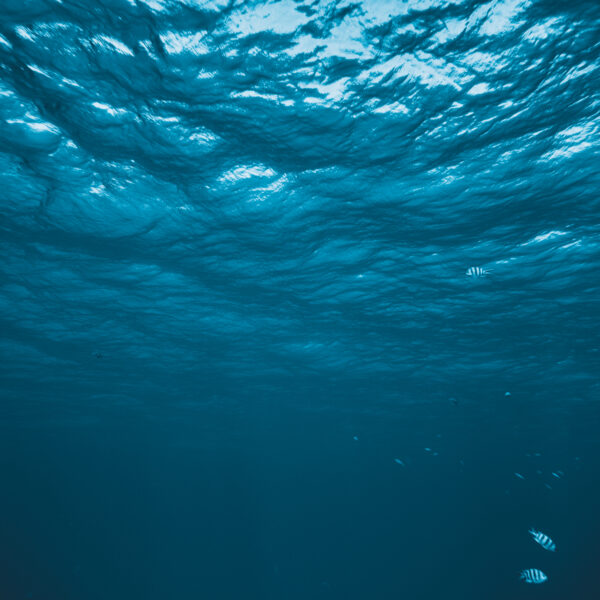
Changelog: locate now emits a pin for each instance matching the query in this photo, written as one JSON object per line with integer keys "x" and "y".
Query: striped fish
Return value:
{"x": 533, "y": 576}
{"x": 477, "y": 272}
{"x": 543, "y": 540}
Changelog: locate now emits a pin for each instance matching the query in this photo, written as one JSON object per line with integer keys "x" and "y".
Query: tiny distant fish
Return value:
{"x": 427, "y": 449}
{"x": 355, "y": 438}
{"x": 507, "y": 394}
{"x": 519, "y": 476}
{"x": 548, "y": 486}
{"x": 477, "y": 272}
{"x": 400, "y": 462}
{"x": 543, "y": 540}
{"x": 555, "y": 475}
{"x": 533, "y": 576}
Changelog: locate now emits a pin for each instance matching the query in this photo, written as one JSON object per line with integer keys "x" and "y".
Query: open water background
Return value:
{"x": 234, "y": 240}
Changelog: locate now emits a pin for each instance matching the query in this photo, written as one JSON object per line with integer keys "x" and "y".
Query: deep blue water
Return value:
{"x": 299, "y": 299}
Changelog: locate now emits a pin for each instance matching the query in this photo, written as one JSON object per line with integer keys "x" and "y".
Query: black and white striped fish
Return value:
{"x": 477, "y": 272}
{"x": 533, "y": 576}
{"x": 543, "y": 540}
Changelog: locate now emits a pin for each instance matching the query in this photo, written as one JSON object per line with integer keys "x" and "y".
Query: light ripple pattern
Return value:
{"x": 263, "y": 194}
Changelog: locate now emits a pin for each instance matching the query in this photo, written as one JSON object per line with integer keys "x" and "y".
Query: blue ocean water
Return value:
{"x": 299, "y": 299}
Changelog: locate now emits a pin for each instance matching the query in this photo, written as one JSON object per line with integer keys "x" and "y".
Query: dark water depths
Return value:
{"x": 235, "y": 236}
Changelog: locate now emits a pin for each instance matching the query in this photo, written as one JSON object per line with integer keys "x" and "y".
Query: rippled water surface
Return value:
{"x": 253, "y": 252}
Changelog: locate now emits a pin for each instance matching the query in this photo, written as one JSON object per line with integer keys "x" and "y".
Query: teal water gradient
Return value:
{"x": 235, "y": 236}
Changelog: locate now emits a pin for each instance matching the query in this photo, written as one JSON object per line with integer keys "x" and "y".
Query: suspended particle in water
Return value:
{"x": 519, "y": 476}
{"x": 355, "y": 438}
{"x": 533, "y": 576}
{"x": 477, "y": 272}
{"x": 400, "y": 462}
{"x": 543, "y": 540}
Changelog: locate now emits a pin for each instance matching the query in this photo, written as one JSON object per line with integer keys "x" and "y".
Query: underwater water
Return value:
{"x": 299, "y": 299}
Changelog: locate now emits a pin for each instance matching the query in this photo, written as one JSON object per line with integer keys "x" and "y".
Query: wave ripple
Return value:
{"x": 247, "y": 195}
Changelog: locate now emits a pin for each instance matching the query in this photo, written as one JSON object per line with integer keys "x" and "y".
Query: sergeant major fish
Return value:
{"x": 543, "y": 540}
{"x": 533, "y": 576}
{"x": 477, "y": 272}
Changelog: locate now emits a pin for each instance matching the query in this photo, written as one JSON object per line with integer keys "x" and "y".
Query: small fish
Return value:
{"x": 507, "y": 394}
{"x": 477, "y": 272}
{"x": 355, "y": 438}
{"x": 519, "y": 476}
{"x": 400, "y": 462}
{"x": 543, "y": 540}
{"x": 533, "y": 576}
{"x": 555, "y": 475}
{"x": 427, "y": 449}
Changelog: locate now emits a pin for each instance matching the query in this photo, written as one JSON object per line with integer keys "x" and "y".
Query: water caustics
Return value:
{"x": 236, "y": 163}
